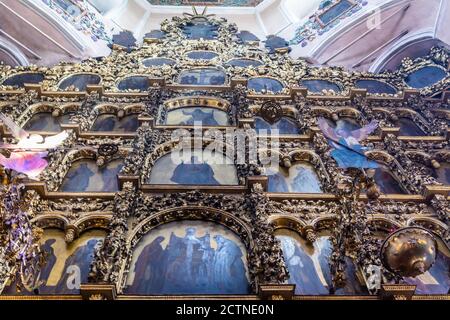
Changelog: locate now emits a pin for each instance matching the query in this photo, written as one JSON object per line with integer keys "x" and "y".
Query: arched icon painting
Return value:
{"x": 308, "y": 265}
{"x": 188, "y": 257}
{"x": 67, "y": 265}
{"x": 199, "y": 167}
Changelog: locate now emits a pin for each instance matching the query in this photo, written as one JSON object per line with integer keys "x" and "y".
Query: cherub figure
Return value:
{"x": 348, "y": 151}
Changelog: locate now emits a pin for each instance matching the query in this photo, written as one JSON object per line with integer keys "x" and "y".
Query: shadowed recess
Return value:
{"x": 79, "y": 81}
{"x": 425, "y": 77}
{"x": 19, "y": 80}
{"x": 375, "y": 86}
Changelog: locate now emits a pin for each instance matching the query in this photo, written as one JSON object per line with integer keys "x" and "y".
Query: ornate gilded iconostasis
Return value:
{"x": 118, "y": 218}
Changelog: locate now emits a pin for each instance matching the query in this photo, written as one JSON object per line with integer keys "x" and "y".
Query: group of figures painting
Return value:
{"x": 189, "y": 257}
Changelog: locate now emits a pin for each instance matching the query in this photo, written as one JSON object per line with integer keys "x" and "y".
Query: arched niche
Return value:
{"x": 386, "y": 181}
{"x": 198, "y": 167}
{"x": 408, "y": 127}
{"x": 425, "y": 77}
{"x": 85, "y": 176}
{"x": 308, "y": 265}
{"x": 285, "y": 126}
{"x": 61, "y": 261}
{"x": 112, "y": 123}
{"x": 158, "y": 62}
{"x": 319, "y": 85}
{"x": 19, "y": 80}
{"x": 202, "y": 77}
{"x": 244, "y": 63}
{"x": 265, "y": 84}
{"x": 301, "y": 177}
{"x": 201, "y": 55}
{"x": 188, "y": 257}
{"x": 375, "y": 86}
{"x": 46, "y": 121}
{"x": 79, "y": 81}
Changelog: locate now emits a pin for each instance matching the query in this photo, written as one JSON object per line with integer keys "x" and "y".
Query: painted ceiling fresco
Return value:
{"x": 231, "y": 3}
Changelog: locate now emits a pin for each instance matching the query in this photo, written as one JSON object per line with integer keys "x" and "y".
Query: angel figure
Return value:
{"x": 29, "y": 163}
{"x": 30, "y": 142}
{"x": 348, "y": 151}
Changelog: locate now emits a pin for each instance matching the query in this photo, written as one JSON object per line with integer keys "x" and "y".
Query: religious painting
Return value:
{"x": 244, "y": 63}
{"x": 285, "y": 126}
{"x": 203, "y": 77}
{"x": 386, "y": 181}
{"x": 335, "y": 11}
{"x": 189, "y": 257}
{"x": 19, "y": 80}
{"x": 318, "y": 85}
{"x": 110, "y": 122}
{"x": 45, "y": 121}
{"x": 86, "y": 176}
{"x": 300, "y": 177}
{"x": 190, "y": 115}
{"x": 344, "y": 123}
{"x": 309, "y": 268}
{"x": 79, "y": 82}
{"x": 436, "y": 280}
{"x": 66, "y": 266}
{"x": 199, "y": 167}
{"x": 375, "y": 86}
{"x": 139, "y": 83}
{"x": 197, "y": 30}
{"x": 158, "y": 62}
{"x": 409, "y": 128}
{"x": 425, "y": 77}
{"x": 263, "y": 84}
{"x": 202, "y": 55}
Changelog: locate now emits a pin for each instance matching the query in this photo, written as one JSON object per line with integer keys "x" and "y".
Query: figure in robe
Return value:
{"x": 348, "y": 151}
{"x": 107, "y": 123}
{"x": 228, "y": 268}
{"x": 109, "y": 176}
{"x": 78, "y": 180}
{"x": 148, "y": 270}
{"x": 82, "y": 258}
{"x": 184, "y": 262}
{"x": 306, "y": 181}
{"x": 50, "y": 260}
{"x": 277, "y": 183}
{"x": 205, "y": 117}
{"x": 194, "y": 173}
{"x": 301, "y": 268}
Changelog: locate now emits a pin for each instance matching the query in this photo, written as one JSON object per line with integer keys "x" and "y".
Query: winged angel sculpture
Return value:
{"x": 348, "y": 151}
{"x": 28, "y": 154}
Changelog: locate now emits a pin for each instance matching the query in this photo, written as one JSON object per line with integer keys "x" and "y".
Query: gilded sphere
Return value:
{"x": 409, "y": 252}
